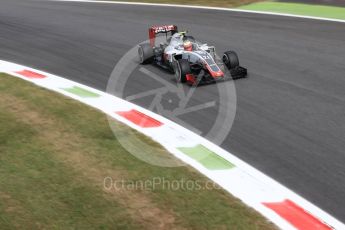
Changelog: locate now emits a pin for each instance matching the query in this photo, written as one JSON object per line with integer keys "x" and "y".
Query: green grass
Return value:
{"x": 332, "y": 12}
{"x": 298, "y": 9}
{"x": 55, "y": 154}
{"x": 265, "y": 6}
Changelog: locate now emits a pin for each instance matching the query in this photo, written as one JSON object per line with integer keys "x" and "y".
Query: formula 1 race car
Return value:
{"x": 191, "y": 61}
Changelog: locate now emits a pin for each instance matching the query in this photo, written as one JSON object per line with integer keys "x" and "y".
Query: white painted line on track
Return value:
{"x": 204, "y": 7}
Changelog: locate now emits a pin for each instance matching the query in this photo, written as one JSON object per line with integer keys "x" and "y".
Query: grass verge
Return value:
{"x": 55, "y": 154}
{"x": 298, "y": 9}
{"x": 332, "y": 12}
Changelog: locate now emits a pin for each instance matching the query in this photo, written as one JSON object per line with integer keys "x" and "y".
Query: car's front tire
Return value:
{"x": 145, "y": 52}
{"x": 230, "y": 59}
{"x": 181, "y": 70}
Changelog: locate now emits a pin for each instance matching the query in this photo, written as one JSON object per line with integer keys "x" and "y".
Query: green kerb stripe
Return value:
{"x": 81, "y": 92}
{"x": 207, "y": 158}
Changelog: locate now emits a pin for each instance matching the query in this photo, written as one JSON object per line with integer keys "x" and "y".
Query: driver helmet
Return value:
{"x": 187, "y": 45}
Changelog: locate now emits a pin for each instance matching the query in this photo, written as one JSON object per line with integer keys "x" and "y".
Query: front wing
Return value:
{"x": 232, "y": 74}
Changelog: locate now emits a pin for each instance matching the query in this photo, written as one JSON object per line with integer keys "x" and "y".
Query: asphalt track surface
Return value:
{"x": 290, "y": 118}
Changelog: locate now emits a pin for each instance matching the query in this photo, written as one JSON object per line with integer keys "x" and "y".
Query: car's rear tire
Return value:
{"x": 230, "y": 59}
{"x": 145, "y": 52}
{"x": 181, "y": 70}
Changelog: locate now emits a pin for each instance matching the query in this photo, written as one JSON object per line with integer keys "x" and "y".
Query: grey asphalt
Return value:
{"x": 290, "y": 118}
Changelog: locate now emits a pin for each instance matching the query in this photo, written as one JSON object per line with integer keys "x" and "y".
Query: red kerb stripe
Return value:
{"x": 30, "y": 74}
{"x": 139, "y": 118}
{"x": 297, "y": 216}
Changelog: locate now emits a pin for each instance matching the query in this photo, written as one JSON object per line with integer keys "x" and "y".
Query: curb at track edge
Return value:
{"x": 277, "y": 203}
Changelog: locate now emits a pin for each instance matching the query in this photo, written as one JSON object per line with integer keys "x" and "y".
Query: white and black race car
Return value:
{"x": 191, "y": 61}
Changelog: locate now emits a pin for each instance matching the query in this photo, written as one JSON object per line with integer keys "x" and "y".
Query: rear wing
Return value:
{"x": 154, "y": 30}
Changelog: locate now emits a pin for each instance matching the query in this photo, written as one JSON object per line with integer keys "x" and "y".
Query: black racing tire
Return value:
{"x": 145, "y": 52}
{"x": 181, "y": 70}
{"x": 230, "y": 59}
